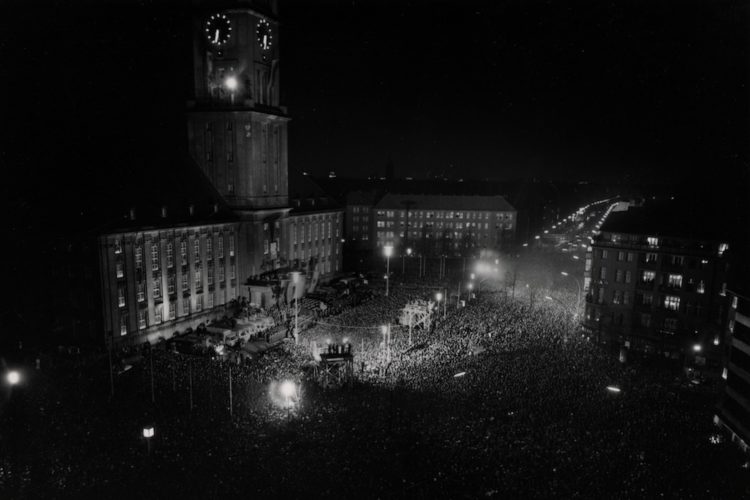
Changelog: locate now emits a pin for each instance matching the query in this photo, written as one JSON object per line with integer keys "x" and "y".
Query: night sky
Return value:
{"x": 501, "y": 89}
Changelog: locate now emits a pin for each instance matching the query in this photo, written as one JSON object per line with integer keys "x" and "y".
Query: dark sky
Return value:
{"x": 498, "y": 89}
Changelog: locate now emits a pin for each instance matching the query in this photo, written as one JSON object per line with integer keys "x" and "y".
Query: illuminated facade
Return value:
{"x": 168, "y": 279}
{"x": 161, "y": 277}
{"x": 444, "y": 225}
{"x": 656, "y": 293}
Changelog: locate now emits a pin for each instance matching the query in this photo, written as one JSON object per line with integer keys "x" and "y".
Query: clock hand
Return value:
{"x": 265, "y": 44}
{"x": 216, "y": 37}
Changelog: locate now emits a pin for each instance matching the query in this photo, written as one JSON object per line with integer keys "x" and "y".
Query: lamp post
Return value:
{"x": 438, "y": 297}
{"x": 148, "y": 433}
{"x": 403, "y": 261}
{"x": 288, "y": 389}
{"x": 578, "y": 298}
{"x": 470, "y": 286}
{"x": 388, "y": 251}
{"x": 295, "y": 280}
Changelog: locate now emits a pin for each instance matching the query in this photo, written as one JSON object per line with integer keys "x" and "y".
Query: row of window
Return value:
{"x": 185, "y": 282}
{"x": 155, "y": 257}
{"x": 185, "y": 310}
{"x": 422, "y": 214}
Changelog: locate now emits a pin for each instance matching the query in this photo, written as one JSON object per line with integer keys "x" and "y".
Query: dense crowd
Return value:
{"x": 500, "y": 397}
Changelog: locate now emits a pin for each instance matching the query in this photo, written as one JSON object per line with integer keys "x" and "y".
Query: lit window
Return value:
{"x": 157, "y": 314}
{"x": 651, "y": 258}
{"x": 734, "y": 302}
{"x": 157, "y": 288}
{"x": 231, "y": 272}
{"x": 231, "y": 244}
{"x": 123, "y": 324}
{"x": 701, "y": 287}
{"x": 198, "y": 277}
{"x": 141, "y": 319}
{"x": 170, "y": 254}
{"x": 675, "y": 280}
{"x": 209, "y": 248}
{"x": 121, "y": 296}
{"x": 185, "y": 282}
{"x": 620, "y": 256}
{"x": 197, "y": 248}
{"x": 183, "y": 252}
{"x": 170, "y": 284}
{"x": 653, "y": 241}
{"x": 118, "y": 246}
{"x": 120, "y": 270}
{"x": 631, "y": 256}
{"x": 723, "y": 247}
{"x": 138, "y": 256}
{"x": 618, "y": 276}
{"x": 628, "y": 276}
{"x": 154, "y": 257}
{"x": 672, "y": 302}
{"x": 648, "y": 277}
{"x": 141, "y": 291}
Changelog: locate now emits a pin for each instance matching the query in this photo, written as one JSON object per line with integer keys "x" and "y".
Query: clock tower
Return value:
{"x": 237, "y": 127}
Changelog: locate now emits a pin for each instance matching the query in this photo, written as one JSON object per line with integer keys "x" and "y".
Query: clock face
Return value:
{"x": 218, "y": 29}
{"x": 264, "y": 34}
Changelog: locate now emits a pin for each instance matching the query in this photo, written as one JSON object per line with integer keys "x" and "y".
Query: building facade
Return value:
{"x": 656, "y": 293}
{"x": 444, "y": 225}
{"x": 160, "y": 279}
{"x": 734, "y": 410}
{"x": 167, "y": 279}
{"x": 359, "y": 219}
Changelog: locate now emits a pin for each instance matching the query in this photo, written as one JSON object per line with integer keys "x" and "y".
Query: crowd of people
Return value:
{"x": 501, "y": 396}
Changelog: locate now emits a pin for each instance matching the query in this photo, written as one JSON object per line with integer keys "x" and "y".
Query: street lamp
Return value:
{"x": 295, "y": 280}
{"x": 288, "y": 389}
{"x": 148, "y": 433}
{"x": 578, "y": 298}
{"x": 403, "y": 260}
{"x": 388, "y": 251}
{"x": 13, "y": 377}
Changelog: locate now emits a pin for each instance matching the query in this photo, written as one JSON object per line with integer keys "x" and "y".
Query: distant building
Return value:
{"x": 444, "y": 224}
{"x": 359, "y": 228}
{"x": 655, "y": 283}
{"x": 734, "y": 410}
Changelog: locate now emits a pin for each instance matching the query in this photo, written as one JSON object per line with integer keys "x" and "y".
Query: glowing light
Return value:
{"x": 612, "y": 388}
{"x": 564, "y": 273}
{"x": 231, "y": 83}
{"x": 148, "y": 432}
{"x": 288, "y": 389}
{"x": 716, "y": 340}
{"x": 473, "y": 275}
{"x": 536, "y": 237}
{"x": 459, "y": 374}
{"x": 697, "y": 348}
{"x": 388, "y": 250}
{"x": 384, "y": 329}
{"x": 408, "y": 251}
{"x": 13, "y": 377}
{"x": 439, "y": 296}
{"x": 525, "y": 244}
